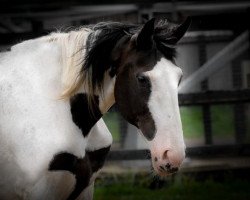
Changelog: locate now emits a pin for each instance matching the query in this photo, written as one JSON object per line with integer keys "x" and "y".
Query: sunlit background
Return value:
{"x": 214, "y": 95}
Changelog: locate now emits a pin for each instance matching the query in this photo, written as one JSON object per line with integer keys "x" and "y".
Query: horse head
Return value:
{"x": 146, "y": 90}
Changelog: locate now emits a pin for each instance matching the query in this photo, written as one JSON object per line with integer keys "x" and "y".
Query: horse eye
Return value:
{"x": 142, "y": 79}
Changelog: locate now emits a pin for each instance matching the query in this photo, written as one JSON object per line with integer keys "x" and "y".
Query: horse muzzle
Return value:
{"x": 166, "y": 162}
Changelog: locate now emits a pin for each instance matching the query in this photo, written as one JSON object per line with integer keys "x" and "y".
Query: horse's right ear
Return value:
{"x": 179, "y": 31}
{"x": 144, "y": 39}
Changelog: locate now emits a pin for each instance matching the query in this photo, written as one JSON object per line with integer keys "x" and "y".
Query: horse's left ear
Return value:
{"x": 144, "y": 39}
{"x": 179, "y": 31}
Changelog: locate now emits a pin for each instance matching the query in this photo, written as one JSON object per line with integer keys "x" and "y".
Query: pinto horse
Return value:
{"x": 55, "y": 89}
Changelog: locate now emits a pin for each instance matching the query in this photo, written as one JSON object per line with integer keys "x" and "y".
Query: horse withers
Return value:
{"x": 55, "y": 89}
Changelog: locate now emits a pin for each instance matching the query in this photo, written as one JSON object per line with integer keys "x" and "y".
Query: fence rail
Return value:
{"x": 215, "y": 97}
{"x": 192, "y": 152}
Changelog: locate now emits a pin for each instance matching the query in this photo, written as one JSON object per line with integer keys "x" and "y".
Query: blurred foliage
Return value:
{"x": 191, "y": 118}
{"x": 112, "y": 121}
{"x": 192, "y": 122}
{"x": 222, "y": 120}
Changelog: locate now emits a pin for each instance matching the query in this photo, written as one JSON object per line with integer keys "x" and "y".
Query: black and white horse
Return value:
{"x": 55, "y": 89}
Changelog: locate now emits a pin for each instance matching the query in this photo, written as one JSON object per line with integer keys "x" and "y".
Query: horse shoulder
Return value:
{"x": 34, "y": 124}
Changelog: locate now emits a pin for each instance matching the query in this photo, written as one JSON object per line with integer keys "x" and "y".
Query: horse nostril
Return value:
{"x": 168, "y": 166}
{"x": 165, "y": 155}
{"x": 162, "y": 168}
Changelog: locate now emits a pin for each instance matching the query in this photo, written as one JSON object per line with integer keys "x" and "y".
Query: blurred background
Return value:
{"x": 214, "y": 95}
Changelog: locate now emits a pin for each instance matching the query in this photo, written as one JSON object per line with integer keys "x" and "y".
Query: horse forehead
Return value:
{"x": 163, "y": 71}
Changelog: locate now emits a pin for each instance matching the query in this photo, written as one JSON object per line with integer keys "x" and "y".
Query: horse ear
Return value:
{"x": 179, "y": 31}
{"x": 144, "y": 39}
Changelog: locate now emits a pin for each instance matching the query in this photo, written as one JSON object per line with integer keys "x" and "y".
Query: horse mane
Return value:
{"x": 72, "y": 56}
{"x": 87, "y": 52}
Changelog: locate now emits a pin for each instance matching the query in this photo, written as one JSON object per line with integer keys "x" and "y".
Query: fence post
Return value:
{"x": 206, "y": 111}
{"x": 239, "y": 108}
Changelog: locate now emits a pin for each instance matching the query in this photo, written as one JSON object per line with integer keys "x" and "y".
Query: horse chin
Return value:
{"x": 162, "y": 174}
{"x": 165, "y": 174}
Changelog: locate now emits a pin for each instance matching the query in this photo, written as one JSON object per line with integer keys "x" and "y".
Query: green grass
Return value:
{"x": 186, "y": 189}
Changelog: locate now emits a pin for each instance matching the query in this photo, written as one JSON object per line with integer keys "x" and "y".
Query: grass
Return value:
{"x": 186, "y": 189}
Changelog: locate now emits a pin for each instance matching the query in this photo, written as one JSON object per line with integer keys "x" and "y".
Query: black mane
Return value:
{"x": 105, "y": 36}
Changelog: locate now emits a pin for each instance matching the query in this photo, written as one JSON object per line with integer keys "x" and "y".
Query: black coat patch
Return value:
{"x": 79, "y": 167}
{"x": 132, "y": 81}
{"x": 82, "y": 116}
{"x": 82, "y": 168}
{"x": 97, "y": 158}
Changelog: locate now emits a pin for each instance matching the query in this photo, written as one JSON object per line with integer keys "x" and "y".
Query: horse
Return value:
{"x": 55, "y": 89}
